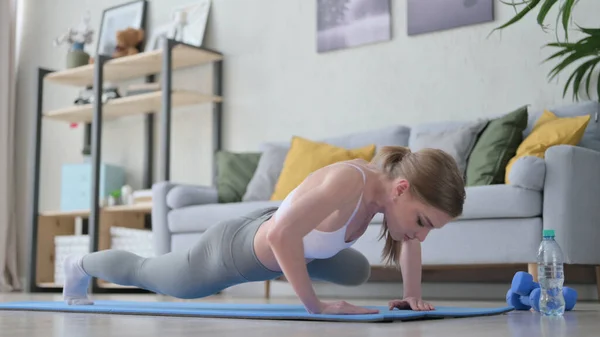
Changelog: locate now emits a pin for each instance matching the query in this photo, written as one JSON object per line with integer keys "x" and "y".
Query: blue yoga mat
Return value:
{"x": 247, "y": 311}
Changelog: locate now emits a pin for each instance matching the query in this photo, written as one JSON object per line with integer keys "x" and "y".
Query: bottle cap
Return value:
{"x": 548, "y": 233}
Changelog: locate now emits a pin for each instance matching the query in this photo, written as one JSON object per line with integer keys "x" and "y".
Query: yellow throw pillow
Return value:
{"x": 548, "y": 131}
{"x": 306, "y": 156}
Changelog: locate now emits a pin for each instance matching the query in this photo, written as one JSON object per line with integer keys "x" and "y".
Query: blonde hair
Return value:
{"x": 434, "y": 178}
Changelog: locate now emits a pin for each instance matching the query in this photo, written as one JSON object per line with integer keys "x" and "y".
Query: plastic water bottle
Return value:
{"x": 551, "y": 276}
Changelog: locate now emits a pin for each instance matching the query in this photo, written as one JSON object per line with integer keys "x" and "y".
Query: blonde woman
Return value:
{"x": 309, "y": 237}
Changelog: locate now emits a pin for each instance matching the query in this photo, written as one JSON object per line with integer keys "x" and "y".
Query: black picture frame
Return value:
{"x": 107, "y": 36}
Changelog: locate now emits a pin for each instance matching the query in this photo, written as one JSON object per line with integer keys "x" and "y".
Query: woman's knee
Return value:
{"x": 349, "y": 268}
{"x": 360, "y": 273}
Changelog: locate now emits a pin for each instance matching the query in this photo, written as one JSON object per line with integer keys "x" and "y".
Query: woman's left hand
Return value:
{"x": 412, "y": 303}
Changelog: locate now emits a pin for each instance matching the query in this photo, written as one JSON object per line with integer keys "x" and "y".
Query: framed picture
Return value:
{"x": 344, "y": 24}
{"x": 437, "y": 15}
{"x": 114, "y": 19}
{"x": 158, "y": 35}
{"x": 190, "y": 27}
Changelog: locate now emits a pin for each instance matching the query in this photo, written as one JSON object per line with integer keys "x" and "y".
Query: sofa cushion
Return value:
{"x": 501, "y": 201}
{"x": 497, "y": 201}
{"x": 234, "y": 172}
{"x": 528, "y": 172}
{"x": 200, "y": 217}
{"x": 457, "y": 142}
{"x": 496, "y": 145}
{"x": 591, "y": 136}
{"x": 262, "y": 184}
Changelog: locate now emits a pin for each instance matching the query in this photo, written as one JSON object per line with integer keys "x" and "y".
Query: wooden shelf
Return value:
{"x": 129, "y": 105}
{"x": 138, "y": 65}
{"x": 66, "y": 214}
{"x": 137, "y": 208}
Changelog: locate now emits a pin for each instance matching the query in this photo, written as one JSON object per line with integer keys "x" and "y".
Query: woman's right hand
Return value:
{"x": 344, "y": 308}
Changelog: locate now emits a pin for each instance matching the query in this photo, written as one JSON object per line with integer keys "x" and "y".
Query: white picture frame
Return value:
{"x": 196, "y": 20}
{"x": 158, "y": 33}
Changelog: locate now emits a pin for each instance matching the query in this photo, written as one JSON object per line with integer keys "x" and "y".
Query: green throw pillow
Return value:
{"x": 496, "y": 145}
{"x": 234, "y": 171}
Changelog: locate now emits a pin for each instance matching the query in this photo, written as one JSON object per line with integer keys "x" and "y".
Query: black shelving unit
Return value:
{"x": 168, "y": 61}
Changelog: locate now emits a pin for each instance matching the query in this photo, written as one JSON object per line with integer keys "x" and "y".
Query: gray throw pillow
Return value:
{"x": 269, "y": 167}
{"x": 528, "y": 172}
{"x": 457, "y": 141}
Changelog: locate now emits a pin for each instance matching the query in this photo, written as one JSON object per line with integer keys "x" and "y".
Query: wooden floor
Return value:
{"x": 584, "y": 321}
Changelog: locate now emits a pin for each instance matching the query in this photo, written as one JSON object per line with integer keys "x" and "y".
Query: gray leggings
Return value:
{"x": 224, "y": 256}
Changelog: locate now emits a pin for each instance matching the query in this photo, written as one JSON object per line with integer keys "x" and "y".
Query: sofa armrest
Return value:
{"x": 167, "y": 196}
{"x": 181, "y": 195}
{"x": 571, "y": 201}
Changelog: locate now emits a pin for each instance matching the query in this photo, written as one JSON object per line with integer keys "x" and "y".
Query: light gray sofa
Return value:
{"x": 501, "y": 224}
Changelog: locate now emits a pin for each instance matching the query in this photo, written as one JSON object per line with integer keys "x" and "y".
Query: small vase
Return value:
{"x": 76, "y": 57}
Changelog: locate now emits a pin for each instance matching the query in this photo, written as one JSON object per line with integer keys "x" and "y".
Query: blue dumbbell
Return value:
{"x": 520, "y": 302}
{"x": 527, "y": 293}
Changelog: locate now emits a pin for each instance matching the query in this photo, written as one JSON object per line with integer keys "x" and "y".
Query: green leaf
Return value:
{"x": 590, "y": 31}
{"x": 546, "y": 6}
{"x": 566, "y": 15}
{"x": 519, "y": 15}
{"x": 589, "y": 77}
{"x": 562, "y": 65}
{"x": 580, "y": 71}
{"x": 557, "y": 54}
{"x": 568, "y": 83}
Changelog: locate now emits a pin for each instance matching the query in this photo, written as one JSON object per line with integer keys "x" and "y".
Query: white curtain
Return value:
{"x": 9, "y": 279}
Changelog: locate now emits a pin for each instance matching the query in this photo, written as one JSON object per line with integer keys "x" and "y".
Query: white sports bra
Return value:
{"x": 322, "y": 245}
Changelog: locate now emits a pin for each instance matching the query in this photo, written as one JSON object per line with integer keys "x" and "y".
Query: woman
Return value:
{"x": 308, "y": 237}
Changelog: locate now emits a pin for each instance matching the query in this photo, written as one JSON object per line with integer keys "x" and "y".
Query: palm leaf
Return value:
{"x": 529, "y": 5}
{"x": 589, "y": 31}
{"x": 589, "y": 77}
{"x": 566, "y": 15}
{"x": 587, "y": 51}
{"x": 546, "y": 6}
{"x": 586, "y": 47}
{"x": 557, "y": 54}
{"x": 580, "y": 73}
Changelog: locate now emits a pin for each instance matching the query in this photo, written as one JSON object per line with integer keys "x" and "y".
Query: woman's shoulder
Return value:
{"x": 343, "y": 174}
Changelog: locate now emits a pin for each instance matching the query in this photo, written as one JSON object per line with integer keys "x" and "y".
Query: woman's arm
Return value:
{"x": 338, "y": 189}
{"x": 410, "y": 263}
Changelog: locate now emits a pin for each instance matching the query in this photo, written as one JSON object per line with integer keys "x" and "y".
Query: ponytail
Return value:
{"x": 388, "y": 160}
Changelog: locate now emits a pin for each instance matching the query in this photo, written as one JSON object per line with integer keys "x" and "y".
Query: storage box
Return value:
{"x": 76, "y": 184}
{"x": 66, "y": 245}
{"x": 137, "y": 241}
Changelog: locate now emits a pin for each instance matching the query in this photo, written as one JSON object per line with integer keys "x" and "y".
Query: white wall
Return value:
{"x": 275, "y": 81}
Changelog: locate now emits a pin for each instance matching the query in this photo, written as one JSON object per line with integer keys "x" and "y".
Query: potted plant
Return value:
{"x": 77, "y": 38}
{"x": 585, "y": 52}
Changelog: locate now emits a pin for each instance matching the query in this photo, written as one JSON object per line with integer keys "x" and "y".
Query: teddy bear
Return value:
{"x": 128, "y": 41}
